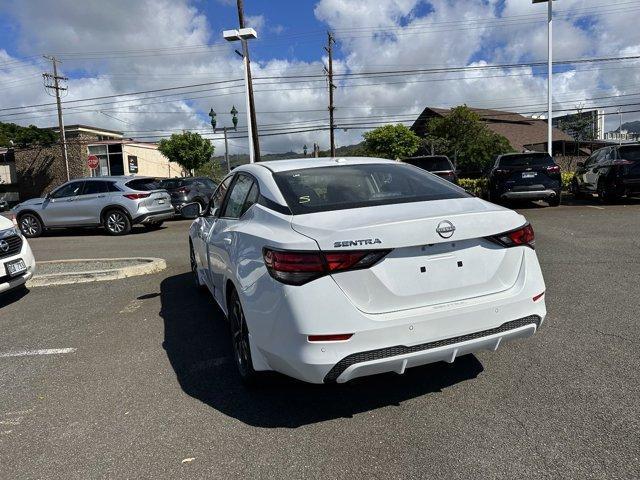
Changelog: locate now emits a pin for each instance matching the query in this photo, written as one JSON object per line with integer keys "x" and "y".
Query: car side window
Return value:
{"x": 217, "y": 198}
{"x": 69, "y": 190}
{"x": 237, "y": 196}
{"x": 252, "y": 198}
{"x": 112, "y": 187}
{"x": 93, "y": 187}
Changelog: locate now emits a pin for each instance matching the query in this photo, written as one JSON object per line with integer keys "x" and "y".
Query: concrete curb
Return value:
{"x": 145, "y": 266}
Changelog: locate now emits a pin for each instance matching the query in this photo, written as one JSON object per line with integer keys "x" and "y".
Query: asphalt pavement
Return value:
{"x": 134, "y": 378}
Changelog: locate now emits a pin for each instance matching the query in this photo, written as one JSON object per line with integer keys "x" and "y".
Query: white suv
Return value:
{"x": 17, "y": 264}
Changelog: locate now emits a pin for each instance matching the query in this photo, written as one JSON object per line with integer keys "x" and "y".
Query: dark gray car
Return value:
{"x": 189, "y": 190}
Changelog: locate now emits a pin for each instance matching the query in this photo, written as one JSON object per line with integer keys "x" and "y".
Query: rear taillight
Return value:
{"x": 500, "y": 171}
{"x": 622, "y": 162}
{"x": 136, "y": 196}
{"x": 183, "y": 190}
{"x": 523, "y": 236}
{"x": 298, "y": 268}
{"x": 553, "y": 169}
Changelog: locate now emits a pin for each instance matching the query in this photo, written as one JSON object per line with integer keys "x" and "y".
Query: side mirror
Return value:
{"x": 191, "y": 210}
{"x": 580, "y": 164}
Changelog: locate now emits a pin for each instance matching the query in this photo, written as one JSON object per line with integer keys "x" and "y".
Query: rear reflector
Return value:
{"x": 136, "y": 196}
{"x": 338, "y": 337}
{"x": 297, "y": 268}
{"x": 523, "y": 236}
{"x": 538, "y": 297}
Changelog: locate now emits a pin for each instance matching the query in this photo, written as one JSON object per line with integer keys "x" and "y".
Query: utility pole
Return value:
{"x": 329, "y": 49}
{"x": 252, "y": 106}
{"x": 620, "y": 127}
{"x": 52, "y": 82}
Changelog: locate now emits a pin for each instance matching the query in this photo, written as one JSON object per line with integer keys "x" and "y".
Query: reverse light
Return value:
{"x": 523, "y": 236}
{"x": 337, "y": 337}
{"x": 136, "y": 196}
{"x": 298, "y": 268}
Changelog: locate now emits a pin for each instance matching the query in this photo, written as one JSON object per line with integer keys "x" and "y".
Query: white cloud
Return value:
{"x": 175, "y": 45}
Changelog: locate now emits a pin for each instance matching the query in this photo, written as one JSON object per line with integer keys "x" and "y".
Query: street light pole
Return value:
{"x": 214, "y": 122}
{"x": 245, "y": 63}
{"x": 549, "y": 74}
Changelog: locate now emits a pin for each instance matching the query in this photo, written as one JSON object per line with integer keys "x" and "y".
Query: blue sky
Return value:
{"x": 150, "y": 44}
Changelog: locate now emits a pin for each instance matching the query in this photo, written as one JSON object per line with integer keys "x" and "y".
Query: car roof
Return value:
{"x": 298, "y": 163}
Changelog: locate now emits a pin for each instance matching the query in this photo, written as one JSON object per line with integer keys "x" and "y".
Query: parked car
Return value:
{"x": 332, "y": 269}
{"x": 17, "y": 264}
{"x": 437, "y": 164}
{"x": 611, "y": 172}
{"x": 115, "y": 203}
{"x": 525, "y": 176}
{"x": 188, "y": 190}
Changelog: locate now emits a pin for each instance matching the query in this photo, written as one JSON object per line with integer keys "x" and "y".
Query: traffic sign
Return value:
{"x": 93, "y": 162}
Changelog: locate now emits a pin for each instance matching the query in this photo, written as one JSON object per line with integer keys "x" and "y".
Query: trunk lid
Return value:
{"x": 423, "y": 268}
{"x": 158, "y": 200}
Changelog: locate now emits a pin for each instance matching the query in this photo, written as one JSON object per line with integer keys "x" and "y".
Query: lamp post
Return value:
{"x": 304, "y": 149}
{"x": 244, "y": 34}
{"x": 549, "y": 73}
{"x": 214, "y": 123}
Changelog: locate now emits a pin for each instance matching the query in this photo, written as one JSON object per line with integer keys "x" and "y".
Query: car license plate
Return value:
{"x": 529, "y": 174}
{"x": 15, "y": 267}
{"x": 160, "y": 201}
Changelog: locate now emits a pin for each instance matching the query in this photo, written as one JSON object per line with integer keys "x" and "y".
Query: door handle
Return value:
{"x": 70, "y": 199}
{"x": 101, "y": 196}
{"x": 227, "y": 240}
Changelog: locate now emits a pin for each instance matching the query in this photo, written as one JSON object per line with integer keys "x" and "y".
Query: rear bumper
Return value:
{"x": 155, "y": 217}
{"x": 530, "y": 195}
{"x": 399, "y": 358}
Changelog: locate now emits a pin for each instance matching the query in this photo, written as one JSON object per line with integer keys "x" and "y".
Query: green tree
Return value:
{"x": 25, "y": 136}
{"x": 464, "y": 138}
{"x": 391, "y": 141}
{"x": 214, "y": 169}
{"x": 579, "y": 125}
{"x": 188, "y": 149}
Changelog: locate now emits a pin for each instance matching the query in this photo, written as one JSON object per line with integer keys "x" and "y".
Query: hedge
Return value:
{"x": 478, "y": 186}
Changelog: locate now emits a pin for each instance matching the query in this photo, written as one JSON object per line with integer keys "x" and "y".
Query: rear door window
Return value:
{"x": 94, "y": 186}
{"x": 323, "y": 189}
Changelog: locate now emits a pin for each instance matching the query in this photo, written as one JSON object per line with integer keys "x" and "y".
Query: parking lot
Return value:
{"x": 147, "y": 389}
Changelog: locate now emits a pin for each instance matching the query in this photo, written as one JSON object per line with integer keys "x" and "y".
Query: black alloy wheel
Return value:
{"x": 240, "y": 340}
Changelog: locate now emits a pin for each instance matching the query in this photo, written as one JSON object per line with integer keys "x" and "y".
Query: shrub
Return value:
{"x": 566, "y": 179}
{"x": 475, "y": 186}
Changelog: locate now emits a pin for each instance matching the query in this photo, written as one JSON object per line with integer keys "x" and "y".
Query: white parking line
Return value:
{"x": 28, "y": 353}
{"x": 594, "y": 206}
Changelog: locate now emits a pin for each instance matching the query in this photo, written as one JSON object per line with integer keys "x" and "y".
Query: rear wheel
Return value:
{"x": 574, "y": 188}
{"x": 116, "y": 222}
{"x": 606, "y": 192}
{"x": 555, "y": 201}
{"x": 240, "y": 340}
{"x": 30, "y": 225}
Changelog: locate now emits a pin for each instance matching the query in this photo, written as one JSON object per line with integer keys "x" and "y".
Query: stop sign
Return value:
{"x": 93, "y": 162}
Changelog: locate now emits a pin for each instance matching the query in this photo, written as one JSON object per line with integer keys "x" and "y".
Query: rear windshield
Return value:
{"x": 144, "y": 184}
{"x": 173, "y": 183}
{"x": 526, "y": 160}
{"x": 631, "y": 153}
{"x": 323, "y": 189}
{"x": 432, "y": 164}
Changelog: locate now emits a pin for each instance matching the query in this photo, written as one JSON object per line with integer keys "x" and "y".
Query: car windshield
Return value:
{"x": 322, "y": 189}
{"x": 143, "y": 184}
{"x": 432, "y": 164}
{"x": 631, "y": 153}
{"x": 526, "y": 160}
{"x": 173, "y": 183}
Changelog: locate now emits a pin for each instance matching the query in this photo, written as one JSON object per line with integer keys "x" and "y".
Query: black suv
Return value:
{"x": 189, "y": 189}
{"x": 437, "y": 164}
{"x": 611, "y": 172}
{"x": 525, "y": 176}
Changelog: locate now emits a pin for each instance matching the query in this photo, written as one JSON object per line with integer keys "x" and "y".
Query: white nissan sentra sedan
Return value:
{"x": 335, "y": 268}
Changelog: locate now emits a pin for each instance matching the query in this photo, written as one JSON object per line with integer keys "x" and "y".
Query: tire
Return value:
{"x": 606, "y": 193}
{"x": 555, "y": 201}
{"x": 240, "y": 341}
{"x": 194, "y": 266}
{"x": 575, "y": 190}
{"x": 116, "y": 222}
{"x": 30, "y": 225}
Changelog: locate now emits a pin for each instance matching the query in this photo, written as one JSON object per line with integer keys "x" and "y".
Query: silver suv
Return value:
{"x": 116, "y": 203}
